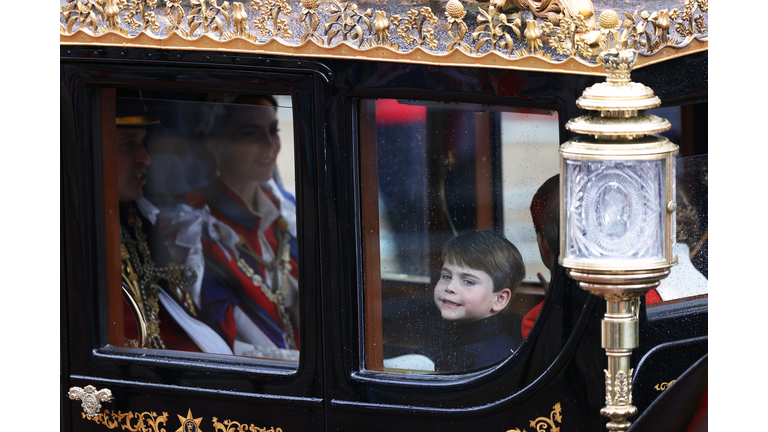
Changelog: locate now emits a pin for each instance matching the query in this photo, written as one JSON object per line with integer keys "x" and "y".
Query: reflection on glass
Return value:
{"x": 530, "y": 143}
{"x": 208, "y": 223}
{"x": 442, "y": 170}
{"x": 689, "y": 277}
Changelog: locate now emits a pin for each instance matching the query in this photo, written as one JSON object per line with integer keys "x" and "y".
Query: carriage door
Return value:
{"x": 188, "y": 234}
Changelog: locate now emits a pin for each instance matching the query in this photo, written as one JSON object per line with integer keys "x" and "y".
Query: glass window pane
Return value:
{"x": 208, "y": 235}
{"x": 689, "y": 278}
{"x": 435, "y": 174}
{"x": 530, "y": 145}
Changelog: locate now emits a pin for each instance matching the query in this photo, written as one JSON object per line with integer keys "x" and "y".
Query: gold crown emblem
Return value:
{"x": 618, "y": 64}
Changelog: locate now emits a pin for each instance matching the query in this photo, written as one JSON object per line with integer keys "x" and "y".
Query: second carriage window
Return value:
{"x": 450, "y": 250}
{"x": 207, "y": 215}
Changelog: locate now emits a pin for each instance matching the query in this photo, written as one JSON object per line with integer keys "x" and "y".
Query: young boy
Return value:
{"x": 481, "y": 271}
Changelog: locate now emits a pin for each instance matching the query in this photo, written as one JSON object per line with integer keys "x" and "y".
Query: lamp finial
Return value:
{"x": 618, "y": 64}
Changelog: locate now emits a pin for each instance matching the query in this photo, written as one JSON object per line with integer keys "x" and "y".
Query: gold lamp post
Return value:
{"x": 617, "y": 191}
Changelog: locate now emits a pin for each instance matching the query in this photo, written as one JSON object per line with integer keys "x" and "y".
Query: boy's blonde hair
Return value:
{"x": 489, "y": 252}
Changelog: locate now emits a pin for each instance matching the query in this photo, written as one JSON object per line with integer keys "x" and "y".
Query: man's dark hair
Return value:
{"x": 545, "y": 212}
{"x": 489, "y": 252}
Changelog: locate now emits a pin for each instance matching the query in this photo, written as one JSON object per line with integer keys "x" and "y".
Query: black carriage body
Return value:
{"x": 554, "y": 377}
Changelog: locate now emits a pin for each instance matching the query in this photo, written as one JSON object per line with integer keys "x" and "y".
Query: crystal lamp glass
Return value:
{"x": 615, "y": 210}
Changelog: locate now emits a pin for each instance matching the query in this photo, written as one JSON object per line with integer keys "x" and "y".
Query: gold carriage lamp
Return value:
{"x": 617, "y": 191}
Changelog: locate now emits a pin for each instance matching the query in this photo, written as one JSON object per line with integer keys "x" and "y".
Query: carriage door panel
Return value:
{"x": 185, "y": 233}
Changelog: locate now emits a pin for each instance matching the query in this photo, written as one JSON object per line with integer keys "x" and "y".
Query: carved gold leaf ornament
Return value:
{"x": 556, "y": 35}
{"x": 175, "y": 15}
{"x": 82, "y": 12}
{"x": 544, "y": 424}
{"x": 455, "y": 13}
{"x": 347, "y": 21}
{"x": 310, "y": 20}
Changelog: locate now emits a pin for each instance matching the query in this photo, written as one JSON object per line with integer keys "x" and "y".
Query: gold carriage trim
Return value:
{"x": 152, "y": 422}
{"x": 663, "y": 386}
{"x": 501, "y": 34}
{"x": 546, "y": 424}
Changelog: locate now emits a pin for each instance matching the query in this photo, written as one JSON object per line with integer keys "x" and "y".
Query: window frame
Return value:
{"x": 101, "y": 356}
{"x": 370, "y": 249}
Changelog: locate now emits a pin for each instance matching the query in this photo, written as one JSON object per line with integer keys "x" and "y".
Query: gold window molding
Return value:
{"x": 556, "y": 35}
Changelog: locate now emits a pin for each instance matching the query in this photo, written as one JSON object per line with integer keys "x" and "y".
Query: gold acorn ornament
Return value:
{"x": 609, "y": 23}
{"x": 454, "y": 12}
{"x": 454, "y": 9}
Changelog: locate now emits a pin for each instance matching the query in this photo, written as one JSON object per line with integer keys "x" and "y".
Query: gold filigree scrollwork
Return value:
{"x": 544, "y": 424}
{"x": 174, "y": 13}
{"x": 131, "y": 421}
{"x": 233, "y": 426}
{"x": 82, "y": 12}
{"x": 663, "y": 386}
{"x": 270, "y": 10}
{"x": 345, "y": 20}
{"x": 209, "y": 17}
{"x": 310, "y": 20}
{"x": 139, "y": 18}
{"x": 454, "y": 12}
{"x": 416, "y": 19}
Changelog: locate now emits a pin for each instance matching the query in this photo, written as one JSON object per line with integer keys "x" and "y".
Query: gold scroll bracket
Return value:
{"x": 91, "y": 398}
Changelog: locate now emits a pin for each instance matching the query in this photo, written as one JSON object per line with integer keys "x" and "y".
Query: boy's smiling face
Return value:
{"x": 465, "y": 295}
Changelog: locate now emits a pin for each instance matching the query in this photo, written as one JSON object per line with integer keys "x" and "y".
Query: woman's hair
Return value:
{"x": 218, "y": 108}
{"x": 489, "y": 252}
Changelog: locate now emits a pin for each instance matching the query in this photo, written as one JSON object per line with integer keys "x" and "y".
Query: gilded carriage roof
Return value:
{"x": 552, "y": 35}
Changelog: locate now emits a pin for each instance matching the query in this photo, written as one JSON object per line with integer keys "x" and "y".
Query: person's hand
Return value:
{"x": 544, "y": 282}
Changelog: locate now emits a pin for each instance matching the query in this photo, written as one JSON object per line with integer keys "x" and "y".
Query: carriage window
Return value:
{"x": 458, "y": 178}
{"x": 203, "y": 184}
{"x": 688, "y": 280}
